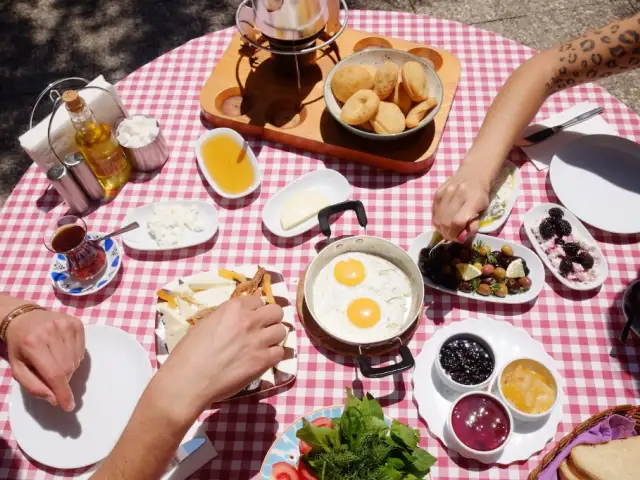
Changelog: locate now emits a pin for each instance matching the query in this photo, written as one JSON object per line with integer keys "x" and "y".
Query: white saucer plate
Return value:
{"x": 533, "y": 216}
{"x": 434, "y": 400}
{"x": 333, "y": 186}
{"x": 106, "y": 388}
{"x": 64, "y": 282}
{"x": 139, "y": 239}
{"x": 536, "y": 273}
{"x": 515, "y": 193}
{"x": 597, "y": 177}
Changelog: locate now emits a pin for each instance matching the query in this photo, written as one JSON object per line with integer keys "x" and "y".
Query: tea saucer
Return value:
{"x": 64, "y": 282}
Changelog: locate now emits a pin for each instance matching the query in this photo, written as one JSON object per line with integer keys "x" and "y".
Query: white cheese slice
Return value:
{"x": 301, "y": 207}
{"x": 172, "y": 337}
{"x": 214, "y": 297}
{"x": 186, "y": 309}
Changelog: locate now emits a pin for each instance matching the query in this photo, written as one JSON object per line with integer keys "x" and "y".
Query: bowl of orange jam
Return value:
{"x": 228, "y": 163}
{"x": 529, "y": 389}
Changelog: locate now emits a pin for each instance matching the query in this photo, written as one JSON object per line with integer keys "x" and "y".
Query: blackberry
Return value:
{"x": 563, "y": 228}
{"x": 556, "y": 213}
{"x": 571, "y": 249}
{"x": 585, "y": 259}
{"x": 566, "y": 267}
{"x": 546, "y": 229}
{"x": 559, "y": 241}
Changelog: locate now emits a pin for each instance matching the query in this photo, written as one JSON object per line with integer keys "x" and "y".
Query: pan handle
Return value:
{"x": 326, "y": 212}
{"x": 369, "y": 371}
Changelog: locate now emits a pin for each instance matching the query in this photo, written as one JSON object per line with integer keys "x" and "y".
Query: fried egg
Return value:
{"x": 361, "y": 297}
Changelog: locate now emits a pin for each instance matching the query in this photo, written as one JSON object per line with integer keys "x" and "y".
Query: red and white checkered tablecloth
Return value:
{"x": 578, "y": 329}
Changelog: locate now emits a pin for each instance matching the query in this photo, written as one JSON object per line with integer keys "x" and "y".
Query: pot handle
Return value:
{"x": 326, "y": 212}
{"x": 369, "y": 371}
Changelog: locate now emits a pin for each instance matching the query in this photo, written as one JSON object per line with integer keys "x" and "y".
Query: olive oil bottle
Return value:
{"x": 99, "y": 146}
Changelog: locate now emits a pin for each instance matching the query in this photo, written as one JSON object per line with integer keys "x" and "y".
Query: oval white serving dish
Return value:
{"x": 333, "y": 185}
{"x": 140, "y": 239}
{"x": 497, "y": 223}
{"x": 536, "y": 270}
{"x": 240, "y": 141}
{"x": 540, "y": 211}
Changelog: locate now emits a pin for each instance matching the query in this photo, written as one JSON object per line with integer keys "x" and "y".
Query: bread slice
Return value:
{"x": 568, "y": 471}
{"x": 614, "y": 460}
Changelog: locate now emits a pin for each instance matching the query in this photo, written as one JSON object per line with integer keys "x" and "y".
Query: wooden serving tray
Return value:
{"x": 252, "y": 93}
{"x": 330, "y": 343}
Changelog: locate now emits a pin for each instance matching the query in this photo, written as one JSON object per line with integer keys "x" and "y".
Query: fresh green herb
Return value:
{"x": 491, "y": 258}
{"x": 475, "y": 282}
{"x": 361, "y": 446}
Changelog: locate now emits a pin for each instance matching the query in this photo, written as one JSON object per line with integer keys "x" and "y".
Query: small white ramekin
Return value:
{"x": 459, "y": 387}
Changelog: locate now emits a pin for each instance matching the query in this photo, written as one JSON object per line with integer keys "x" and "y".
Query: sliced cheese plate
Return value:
{"x": 211, "y": 290}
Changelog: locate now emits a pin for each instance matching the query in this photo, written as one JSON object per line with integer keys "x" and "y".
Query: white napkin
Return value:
{"x": 189, "y": 465}
{"x": 542, "y": 153}
{"x": 35, "y": 142}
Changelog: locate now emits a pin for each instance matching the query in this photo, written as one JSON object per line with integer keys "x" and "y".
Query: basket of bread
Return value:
{"x": 604, "y": 447}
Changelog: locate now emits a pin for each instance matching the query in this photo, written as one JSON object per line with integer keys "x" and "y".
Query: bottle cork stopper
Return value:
{"x": 73, "y": 101}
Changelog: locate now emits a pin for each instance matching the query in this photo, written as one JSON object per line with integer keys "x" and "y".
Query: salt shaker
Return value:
{"x": 148, "y": 150}
{"x": 67, "y": 187}
{"x": 84, "y": 175}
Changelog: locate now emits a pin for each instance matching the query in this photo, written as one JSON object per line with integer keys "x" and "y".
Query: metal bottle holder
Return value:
{"x": 145, "y": 158}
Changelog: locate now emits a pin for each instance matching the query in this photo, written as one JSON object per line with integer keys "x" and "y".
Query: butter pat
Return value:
{"x": 301, "y": 207}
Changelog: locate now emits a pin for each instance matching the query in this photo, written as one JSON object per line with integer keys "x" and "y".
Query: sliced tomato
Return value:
{"x": 322, "y": 422}
{"x": 284, "y": 471}
{"x": 305, "y": 472}
{"x": 304, "y": 447}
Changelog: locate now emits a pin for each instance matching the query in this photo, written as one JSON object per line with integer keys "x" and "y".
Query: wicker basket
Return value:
{"x": 624, "y": 410}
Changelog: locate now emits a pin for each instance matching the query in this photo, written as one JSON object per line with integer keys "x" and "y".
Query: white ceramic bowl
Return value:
{"x": 452, "y": 384}
{"x": 542, "y": 210}
{"x": 376, "y": 57}
{"x": 241, "y": 141}
{"x": 517, "y": 414}
{"x": 488, "y": 456}
{"x": 496, "y": 223}
{"x": 635, "y": 328}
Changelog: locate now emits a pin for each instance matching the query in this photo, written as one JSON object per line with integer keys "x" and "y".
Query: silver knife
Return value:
{"x": 184, "y": 450}
{"x": 551, "y": 131}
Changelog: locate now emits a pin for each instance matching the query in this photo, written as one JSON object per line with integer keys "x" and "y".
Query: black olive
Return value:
{"x": 513, "y": 286}
{"x": 488, "y": 280}
{"x": 465, "y": 286}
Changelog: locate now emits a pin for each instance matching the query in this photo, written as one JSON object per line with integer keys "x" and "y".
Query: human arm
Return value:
{"x": 219, "y": 356}
{"x": 44, "y": 350}
{"x": 597, "y": 54}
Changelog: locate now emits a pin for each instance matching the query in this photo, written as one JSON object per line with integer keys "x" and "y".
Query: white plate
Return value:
{"x": 515, "y": 193}
{"x": 141, "y": 240}
{"x": 541, "y": 211}
{"x": 434, "y": 399}
{"x": 241, "y": 141}
{"x": 330, "y": 183}
{"x": 536, "y": 270}
{"x": 376, "y": 58}
{"x": 597, "y": 177}
{"x": 106, "y": 387}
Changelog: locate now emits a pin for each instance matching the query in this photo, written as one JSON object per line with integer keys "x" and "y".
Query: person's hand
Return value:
{"x": 221, "y": 355}
{"x": 44, "y": 349}
{"x": 459, "y": 202}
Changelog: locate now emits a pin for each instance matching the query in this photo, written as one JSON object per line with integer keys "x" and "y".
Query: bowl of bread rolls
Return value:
{"x": 383, "y": 94}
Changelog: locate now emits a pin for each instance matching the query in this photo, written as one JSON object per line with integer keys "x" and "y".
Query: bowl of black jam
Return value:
{"x": 465, "y": 362}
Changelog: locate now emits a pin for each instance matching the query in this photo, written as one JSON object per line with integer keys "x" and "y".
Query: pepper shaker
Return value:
{"x": 83, "y": 174}
{"x": 67, "y": 187}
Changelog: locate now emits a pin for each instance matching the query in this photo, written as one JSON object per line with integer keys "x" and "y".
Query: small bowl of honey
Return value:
{"x": 529, "y": 389}
{"x": 228, "y": 163}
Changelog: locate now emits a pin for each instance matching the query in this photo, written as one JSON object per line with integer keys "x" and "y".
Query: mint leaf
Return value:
{"x": 423, "y": 460}
{"x": 318, "y": 438}
{"x": 407, "y": 435}
{"x": 369, "y": 406}
{"x": 351, "y": 401}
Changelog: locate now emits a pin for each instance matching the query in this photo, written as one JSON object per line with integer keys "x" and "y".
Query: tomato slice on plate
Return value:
{"x": 322, "y": 422}
{"x": 305, "y": 472}
{"x": 284, "y": 471}
{"x": 304, "y": 447}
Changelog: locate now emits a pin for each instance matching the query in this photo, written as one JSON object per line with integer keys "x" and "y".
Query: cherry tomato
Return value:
{"x": 284, "y": 471}
{"x": 305, "y": 472}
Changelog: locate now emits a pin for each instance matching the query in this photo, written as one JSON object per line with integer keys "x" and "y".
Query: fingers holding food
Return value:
{"x": 360, "y": 107}
{"x": 385, "y": 80}
{"x": 348, "y": 80}
{"x": 389, "y": 119}
{"x": 417, "y": 113}
{"x": 414, "y": 81}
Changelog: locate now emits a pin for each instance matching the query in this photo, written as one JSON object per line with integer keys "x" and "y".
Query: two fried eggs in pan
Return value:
{"x": 361, "y": 297}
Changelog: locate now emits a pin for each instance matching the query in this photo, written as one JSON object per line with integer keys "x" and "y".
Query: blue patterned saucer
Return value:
{"x": 65, "y": 283}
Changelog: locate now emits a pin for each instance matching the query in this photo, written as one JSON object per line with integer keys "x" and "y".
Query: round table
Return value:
{"x": 578, "y": 329}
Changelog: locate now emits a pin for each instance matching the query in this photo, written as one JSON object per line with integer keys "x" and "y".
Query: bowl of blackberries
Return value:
{"x": 476, "y": 269}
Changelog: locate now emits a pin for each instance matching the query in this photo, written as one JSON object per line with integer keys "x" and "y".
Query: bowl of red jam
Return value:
{"x": 465, "y": 362}
{"x": 481, "y": 425}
